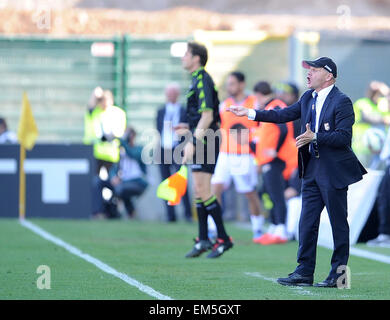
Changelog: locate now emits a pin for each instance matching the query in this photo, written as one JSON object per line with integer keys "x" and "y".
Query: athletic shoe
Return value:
{"x": 262, "y": 239}
{"x": 256, "y": 236}
{"x": 273, "y": 239}
{"x": 199, "y": 247}
{"x": 279, "y": 240}
{"x": 383, "y": 240}
{"x": 220, "y": 247}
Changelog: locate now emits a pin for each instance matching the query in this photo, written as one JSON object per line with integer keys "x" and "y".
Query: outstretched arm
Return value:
{"x": 290, "y": 113}
{"x": 239, "y": 111}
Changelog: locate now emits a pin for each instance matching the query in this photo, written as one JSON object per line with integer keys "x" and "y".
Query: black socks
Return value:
{"x": 202, "y": 220}
{"x": 212, "y": 207}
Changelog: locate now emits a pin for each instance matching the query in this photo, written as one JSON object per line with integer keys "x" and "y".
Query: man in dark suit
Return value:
{"x": 327, "y": 166}
{"x": 169, "y": 116}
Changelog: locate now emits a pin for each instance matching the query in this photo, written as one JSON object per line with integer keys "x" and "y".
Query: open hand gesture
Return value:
{"x": 305, "y": 137}
{"x": 239, "y": 111}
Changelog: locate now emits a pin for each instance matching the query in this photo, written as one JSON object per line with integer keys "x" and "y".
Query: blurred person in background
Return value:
{"x": 104, "y": 123}
{"x": 383, "y": 201}
{"x": 292, "y": 195}
{"x": 288, "y": 92}
{"x": 276, "y": 156}
{"x": 6, "y": 136}
{"x": 235, "y": 163}
{"x": 169, "y": 116}
{"x": 372, "y": 111}
{"x": 127, "y": 178}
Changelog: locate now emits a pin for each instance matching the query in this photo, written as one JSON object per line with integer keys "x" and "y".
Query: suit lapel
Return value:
{"x": 326, "y": 104}
{"x": 308, "y": 112}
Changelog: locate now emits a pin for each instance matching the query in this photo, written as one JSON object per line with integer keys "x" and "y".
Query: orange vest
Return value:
{"x": 267, "y": 136}
{"x": 229, "y": 142}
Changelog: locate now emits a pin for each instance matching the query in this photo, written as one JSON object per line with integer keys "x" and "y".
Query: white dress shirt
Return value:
{"x": 171, "y": 119}
{"x": 320, "y": 103}
{"x": 251, "y": 114}
{"x": 8, "y": 137}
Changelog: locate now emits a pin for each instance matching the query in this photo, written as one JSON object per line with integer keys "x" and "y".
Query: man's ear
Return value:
{"x": 329, "y": 77}
{"x": 197, "y": 59}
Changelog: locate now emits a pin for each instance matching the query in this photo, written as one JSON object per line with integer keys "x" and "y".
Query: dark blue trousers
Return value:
{"x": 384, "y": 203}
{"x": 126, "y": 190}
{"x": 274, "y": 185}
{"x": 316, "y": 195}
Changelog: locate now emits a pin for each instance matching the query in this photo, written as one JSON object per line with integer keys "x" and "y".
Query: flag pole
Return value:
{"x": 22, "y": 184}
{"x": 27, "y": 134}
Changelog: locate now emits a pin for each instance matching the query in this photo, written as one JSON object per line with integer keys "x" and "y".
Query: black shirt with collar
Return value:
{"x": 202, "y": 95}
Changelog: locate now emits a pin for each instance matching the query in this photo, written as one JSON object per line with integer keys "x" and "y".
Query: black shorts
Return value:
{"x": 206, "y": 155}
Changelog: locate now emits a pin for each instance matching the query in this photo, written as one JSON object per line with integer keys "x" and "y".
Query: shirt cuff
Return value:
{"x": 315, "y": 136}
{"x": 251, "y": 114}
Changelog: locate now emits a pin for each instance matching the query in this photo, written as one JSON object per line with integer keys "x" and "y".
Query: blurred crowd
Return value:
{"x": 269, "y": 185}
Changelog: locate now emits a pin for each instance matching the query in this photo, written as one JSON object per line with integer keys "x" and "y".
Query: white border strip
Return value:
{"x": 99, "y": 264}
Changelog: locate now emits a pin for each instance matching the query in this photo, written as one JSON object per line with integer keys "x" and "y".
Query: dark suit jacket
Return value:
{"x": 161, "y": 115}
{"x": 160, "y": 124}
{"x": 338, "y": 167}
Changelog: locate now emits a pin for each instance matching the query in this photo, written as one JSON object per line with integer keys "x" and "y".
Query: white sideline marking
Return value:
{"x": 99, "y": 264}
{"x": 362, "y": 253}
{"x": 299, "y": 290}
{"x": 369, "y": 255}
{"x": 352, "y": 251}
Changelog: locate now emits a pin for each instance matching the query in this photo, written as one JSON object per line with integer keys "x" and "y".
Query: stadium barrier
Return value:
{"x": 58, "y": 181}
{"x": 361, "y": 200}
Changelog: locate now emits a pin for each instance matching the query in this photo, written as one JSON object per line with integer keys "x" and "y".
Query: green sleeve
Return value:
{"x": 205, "y": 90}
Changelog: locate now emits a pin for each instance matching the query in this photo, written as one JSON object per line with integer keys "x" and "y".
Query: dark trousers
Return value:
{"x": 274, "y": 184}
{"x": 383, "y": 202}
{"x": 167, "y": 168}
{"x": 102, "y": 163}
{"x": 315, "y": 196}
{"x": 295, "y": 182}
{"x": 126, "y": 190}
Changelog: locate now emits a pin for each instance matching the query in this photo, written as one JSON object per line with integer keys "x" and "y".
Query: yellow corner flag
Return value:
{"x": 27, "y": 134}
{"x": 27, "y": 131}
{"x": 174, "y": 187}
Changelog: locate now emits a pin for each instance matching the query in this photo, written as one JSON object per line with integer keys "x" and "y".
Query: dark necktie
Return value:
{"x": 313, "y": 146}
{"x": 313, "y": 113}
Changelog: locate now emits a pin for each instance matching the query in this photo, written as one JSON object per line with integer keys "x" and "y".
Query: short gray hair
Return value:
{"x": 173, "y": 85}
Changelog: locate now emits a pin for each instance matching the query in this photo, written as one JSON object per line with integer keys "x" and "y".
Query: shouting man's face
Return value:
{"x": 317, "y": 77}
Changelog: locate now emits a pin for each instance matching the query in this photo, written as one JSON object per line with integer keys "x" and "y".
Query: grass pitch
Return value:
{"x": 153, "y": 253}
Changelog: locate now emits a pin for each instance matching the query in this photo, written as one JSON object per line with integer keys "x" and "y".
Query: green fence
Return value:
{"x": 58, "y": 75}
{"x": 149, "y": 66}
